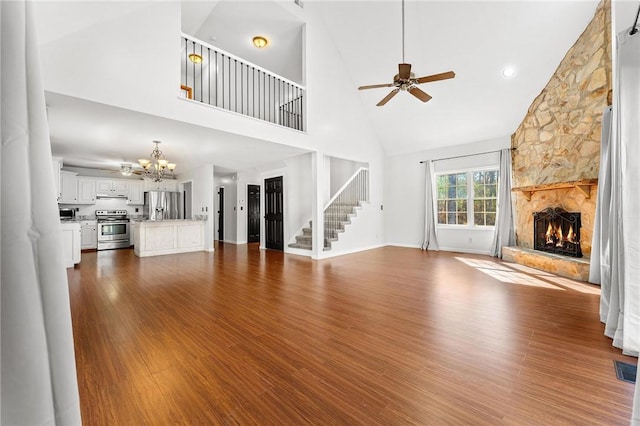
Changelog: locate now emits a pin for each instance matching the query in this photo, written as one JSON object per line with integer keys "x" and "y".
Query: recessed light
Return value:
{"x": 508, "y": 72}
{"x": 260, "y": 42}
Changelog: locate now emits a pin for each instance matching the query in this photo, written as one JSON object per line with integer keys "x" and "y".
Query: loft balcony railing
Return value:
{"x": 223, "y": 80}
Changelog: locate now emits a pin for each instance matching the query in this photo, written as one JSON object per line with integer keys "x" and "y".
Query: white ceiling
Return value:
{"x": 476, "y": 39}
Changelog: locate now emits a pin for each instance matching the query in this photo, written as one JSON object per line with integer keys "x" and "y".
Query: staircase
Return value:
{"x": 339, "y": 211}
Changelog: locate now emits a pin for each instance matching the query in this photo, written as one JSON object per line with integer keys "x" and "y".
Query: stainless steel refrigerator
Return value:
{"x": 161, "y": 205}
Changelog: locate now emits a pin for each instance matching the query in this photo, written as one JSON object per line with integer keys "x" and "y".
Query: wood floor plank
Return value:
{"x": 387, "y": 336}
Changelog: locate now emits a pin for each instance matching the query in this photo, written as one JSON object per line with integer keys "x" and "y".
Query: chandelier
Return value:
{"x": 158, "y": 166}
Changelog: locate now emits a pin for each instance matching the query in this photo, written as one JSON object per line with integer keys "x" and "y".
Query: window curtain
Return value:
{"x": 616, "y": 245}
{"x": 430, "y": 241}
{"x": 627, "y": 141}
{"x": 38, "y": 374}
{"x": 504, "y": 234}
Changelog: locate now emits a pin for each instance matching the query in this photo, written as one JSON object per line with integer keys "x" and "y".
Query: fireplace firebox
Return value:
{"x": 557, "y": 231}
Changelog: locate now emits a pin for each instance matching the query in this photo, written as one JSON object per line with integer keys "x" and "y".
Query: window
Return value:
{"x": 468, "y": 198}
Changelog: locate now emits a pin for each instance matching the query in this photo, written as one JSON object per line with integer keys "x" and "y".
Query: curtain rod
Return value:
{"x": 634, "y": 27}
{"x": 467, "y": 155}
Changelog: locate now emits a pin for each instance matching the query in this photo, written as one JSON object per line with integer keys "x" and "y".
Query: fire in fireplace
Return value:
{"x": 557, "y": 231}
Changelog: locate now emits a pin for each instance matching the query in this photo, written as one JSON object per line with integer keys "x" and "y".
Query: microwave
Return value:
{"x": 67, "y": 214}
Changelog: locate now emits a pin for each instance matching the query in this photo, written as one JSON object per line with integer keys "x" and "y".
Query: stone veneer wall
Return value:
{"x": 559, "y": 138}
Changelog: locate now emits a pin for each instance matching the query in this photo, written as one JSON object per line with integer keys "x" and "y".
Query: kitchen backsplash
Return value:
{"x": 106, "y": 204}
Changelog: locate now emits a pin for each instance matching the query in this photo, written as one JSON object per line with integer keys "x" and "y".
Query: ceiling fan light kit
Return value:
{"x": 406, "y": 81}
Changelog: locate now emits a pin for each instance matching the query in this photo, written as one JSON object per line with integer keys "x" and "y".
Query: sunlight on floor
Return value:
{"x": 513, "y": 273}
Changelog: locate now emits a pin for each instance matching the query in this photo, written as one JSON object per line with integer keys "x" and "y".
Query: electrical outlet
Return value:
{"x": 470, "y": 240}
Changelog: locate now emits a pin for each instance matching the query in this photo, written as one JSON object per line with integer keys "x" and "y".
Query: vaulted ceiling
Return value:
{"x": 476, "y": 39}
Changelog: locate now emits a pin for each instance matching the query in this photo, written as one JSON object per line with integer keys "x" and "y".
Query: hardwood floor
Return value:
{"x": 389, "y": 336}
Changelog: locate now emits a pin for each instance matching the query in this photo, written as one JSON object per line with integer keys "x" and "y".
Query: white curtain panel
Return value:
{"x": 504, "y": 234}
{"x": 627, "y": 137}
{"x": 600, "y": 266}
{"x": 430, "y": 241}
{"x": 38, "y": 372}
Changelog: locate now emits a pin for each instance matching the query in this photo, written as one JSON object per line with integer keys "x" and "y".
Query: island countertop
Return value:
{"x": 157, "y": 237}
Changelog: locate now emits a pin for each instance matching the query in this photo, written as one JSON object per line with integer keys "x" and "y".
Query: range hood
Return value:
{"x": 111, "y": 195}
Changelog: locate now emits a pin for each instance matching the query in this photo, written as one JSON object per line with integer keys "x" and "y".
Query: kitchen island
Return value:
{"x": 157, "y": 237}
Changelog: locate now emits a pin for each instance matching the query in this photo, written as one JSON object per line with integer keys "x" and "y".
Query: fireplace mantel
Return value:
{"x": 584, "y": 186}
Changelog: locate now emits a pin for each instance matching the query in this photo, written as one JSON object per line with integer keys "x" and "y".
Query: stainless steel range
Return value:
{"x": 113, "y": 229}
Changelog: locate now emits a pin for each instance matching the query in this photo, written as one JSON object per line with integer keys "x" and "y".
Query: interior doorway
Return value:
{"x": 187, "y": 200}
{"x": 253, "y": 213}
{"x": 221, "y": 214}
{"x": 273, "y": 213}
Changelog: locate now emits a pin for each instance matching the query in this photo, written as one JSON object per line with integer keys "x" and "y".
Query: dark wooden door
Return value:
{"x": 273, "y": 213}
{"x": 253, "y": 213}
{"x": 221, "y": 214}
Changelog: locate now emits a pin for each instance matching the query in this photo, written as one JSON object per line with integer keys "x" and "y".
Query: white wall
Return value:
{"x": 340, "y": 171}
{"x": 151, "y": 85}
{"x": 202, "y": 198}
{"x": 404, "y": 196}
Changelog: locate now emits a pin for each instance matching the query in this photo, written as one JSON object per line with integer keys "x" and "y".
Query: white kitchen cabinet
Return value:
{"x": 112, "y": 187}
{"x": 136, "y": 193}
{"x": 164, "y": 185}
{"x": 86, "y": 190}
{"x": 89, "y": 237}
{"x": 68, "y": 187}
{"x": 57, "y": 166}
{"x": 71, "y": 241}
{"x": 170, "y": 185}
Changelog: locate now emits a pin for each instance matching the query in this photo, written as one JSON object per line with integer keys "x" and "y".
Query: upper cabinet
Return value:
{"x": 86, "y": 190}
{"x": 164, "y": 185}
{"x": 136, "y": 193}
{"x": 112, "y": 188}
{"x": 68, "y": 187}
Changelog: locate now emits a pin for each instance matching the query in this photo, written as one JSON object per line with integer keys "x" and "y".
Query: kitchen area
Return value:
{"x": 108, "y": 213}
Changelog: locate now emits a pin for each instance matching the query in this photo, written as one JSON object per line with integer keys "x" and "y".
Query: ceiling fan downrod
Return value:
{"x": 403, "y": 31}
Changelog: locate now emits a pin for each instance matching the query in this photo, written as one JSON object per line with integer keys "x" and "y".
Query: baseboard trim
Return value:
{"x": 330, "y": 253}
{"x": 404, "y": 245}
{"x": 466, "y": 251}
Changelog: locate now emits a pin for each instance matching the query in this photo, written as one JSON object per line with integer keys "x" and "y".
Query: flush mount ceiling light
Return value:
{"x": 260, "y": 42}
{"x": 195, "y": 58}
{"x": 508, "y": 72}
{"x": 157, "y": 167}
{"x": 126, "y": 169}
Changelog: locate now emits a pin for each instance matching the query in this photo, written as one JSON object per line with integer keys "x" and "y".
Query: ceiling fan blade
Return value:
{"x": 375, "y": 86}
{"x": 388, "y": 97}
{"x": 424, "y": 97}
{"x": 436, "y": 77}
{"x": 404, "y": 71}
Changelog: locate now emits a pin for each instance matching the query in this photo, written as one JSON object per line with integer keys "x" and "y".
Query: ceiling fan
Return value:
{"x": 405, "y": 80}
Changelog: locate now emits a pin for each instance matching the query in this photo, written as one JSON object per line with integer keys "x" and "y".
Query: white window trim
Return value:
{"x": 470, "y": 193}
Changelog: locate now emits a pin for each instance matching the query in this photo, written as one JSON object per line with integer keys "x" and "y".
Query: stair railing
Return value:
{"x": 349, "y": 196}
{"x": 215, "y": 77}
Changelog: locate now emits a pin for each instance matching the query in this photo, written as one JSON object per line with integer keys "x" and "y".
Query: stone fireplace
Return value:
{"x": 556, "y": 157}
{"x": 557, "y": 231}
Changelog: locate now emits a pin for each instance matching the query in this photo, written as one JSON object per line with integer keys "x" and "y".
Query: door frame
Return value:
{"x": 278, "y": 232}
{"x": 219, "y": 224}
{"x": 267, "y": 175}
{"x": 249, "y": 211}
